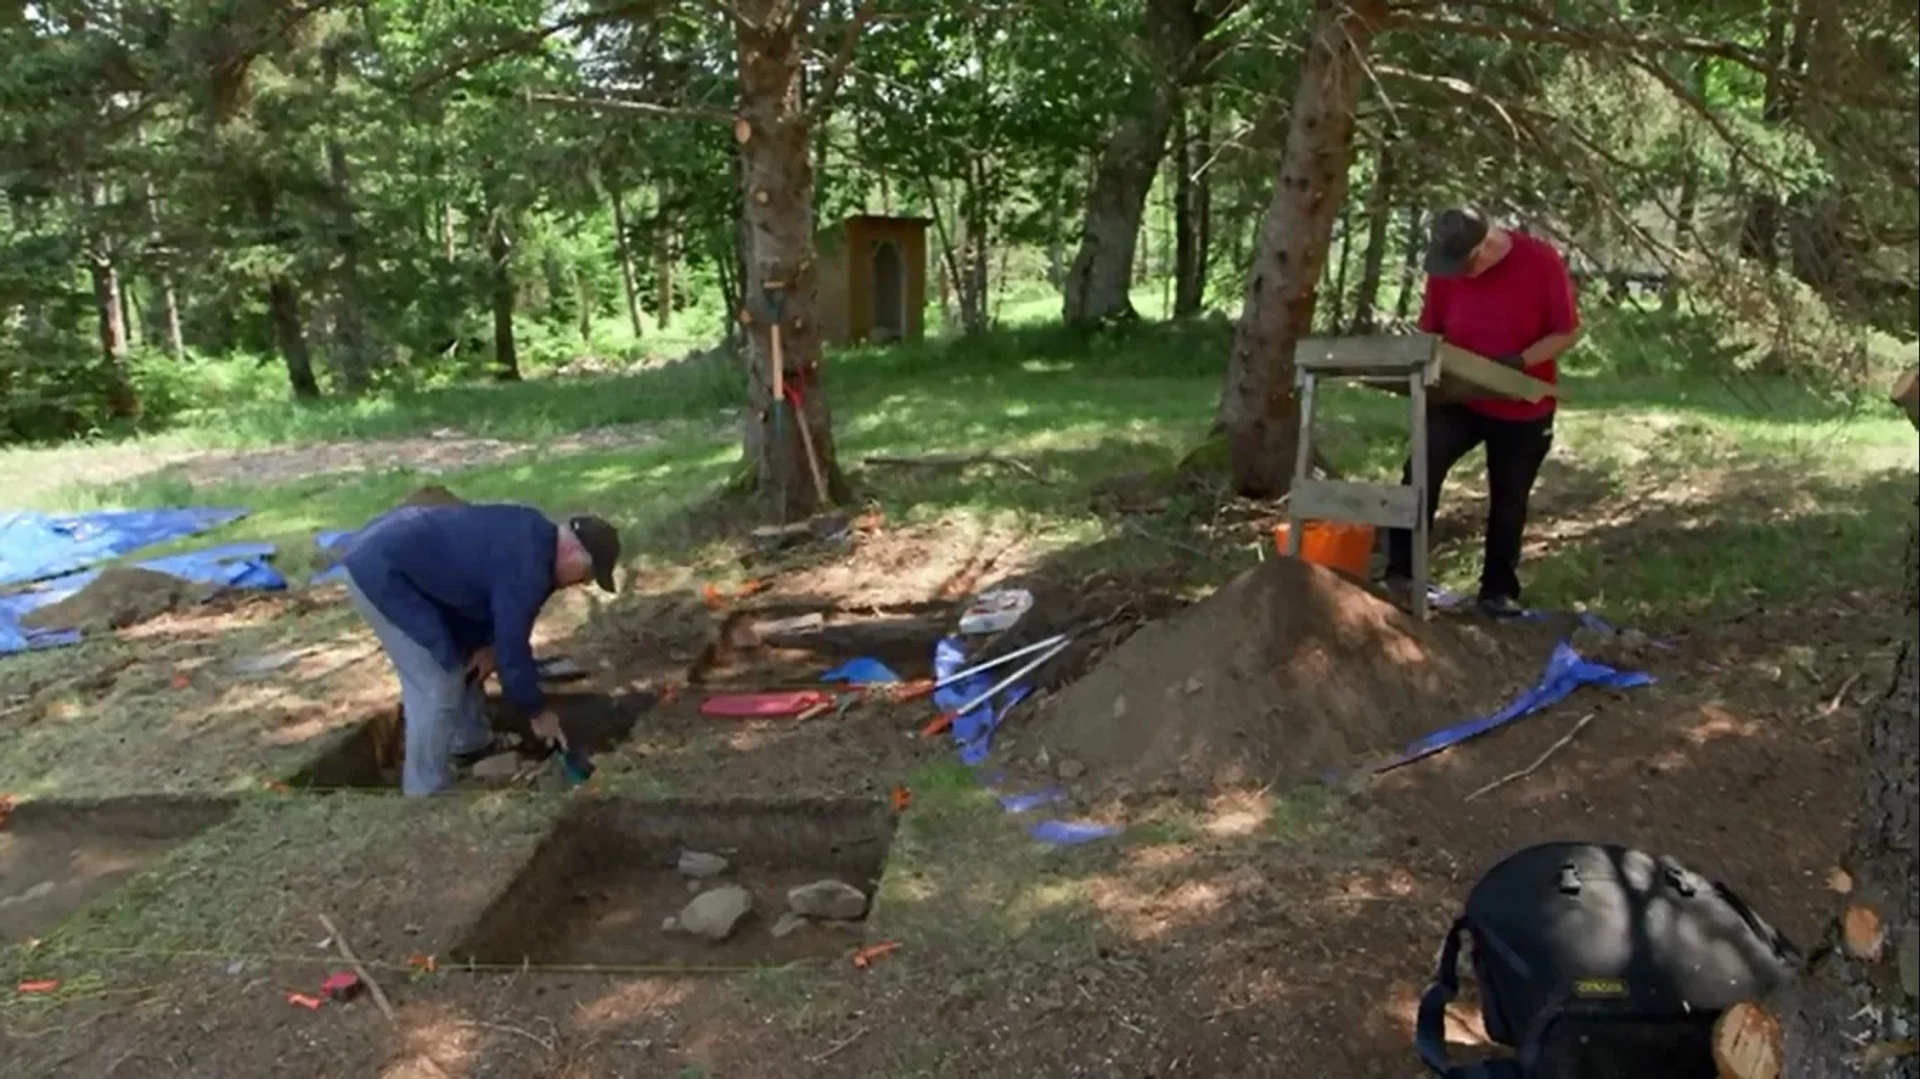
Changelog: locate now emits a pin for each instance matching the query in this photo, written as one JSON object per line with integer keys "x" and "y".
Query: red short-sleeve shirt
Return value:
{"x": 1522, "y": 298}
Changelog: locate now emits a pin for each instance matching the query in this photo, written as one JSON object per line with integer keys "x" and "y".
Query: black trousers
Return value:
{"x": 1515, "y": 450}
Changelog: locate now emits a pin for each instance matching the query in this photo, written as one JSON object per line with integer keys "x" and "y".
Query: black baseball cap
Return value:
{"x": 602, "y": 544}
{"x": 1456, "y": 232}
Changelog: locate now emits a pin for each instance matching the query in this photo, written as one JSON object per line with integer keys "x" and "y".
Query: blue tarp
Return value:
{"x": 37, "y": 547}
{"x": 1566, "y": 671}
{"x": 55, "y": 551}
{"x": 973, "y": 732}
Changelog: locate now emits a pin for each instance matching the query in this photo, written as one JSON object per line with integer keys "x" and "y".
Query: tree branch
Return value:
{"x": 526, "y": 41}
{"x": 665, "y": 112}
{"x": 836, "y": 70}
{"x": 1548, "y": 31}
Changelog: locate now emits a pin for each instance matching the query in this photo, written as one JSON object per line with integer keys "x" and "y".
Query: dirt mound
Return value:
{"x": 121, "y": 596}
{"x": 1287, "y": 671}
{"x": 434, "y": 495}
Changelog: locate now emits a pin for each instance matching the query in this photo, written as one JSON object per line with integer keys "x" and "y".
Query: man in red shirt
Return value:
{"x": 1507, "y": 296}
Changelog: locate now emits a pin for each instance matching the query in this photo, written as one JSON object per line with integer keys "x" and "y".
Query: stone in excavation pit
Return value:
{"x": 830, "y": 899}
{"x": 716, "y": 914}
{"x": 700, "y": 865}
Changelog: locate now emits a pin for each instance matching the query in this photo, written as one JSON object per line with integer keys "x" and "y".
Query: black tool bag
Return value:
{"x": 1601, "y": 962}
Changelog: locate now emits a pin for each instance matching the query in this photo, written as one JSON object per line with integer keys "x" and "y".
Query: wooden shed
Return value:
{"x": 873, "y": 280}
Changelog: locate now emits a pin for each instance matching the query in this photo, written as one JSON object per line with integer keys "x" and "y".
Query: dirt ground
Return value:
{"x": 1261, "y": 931}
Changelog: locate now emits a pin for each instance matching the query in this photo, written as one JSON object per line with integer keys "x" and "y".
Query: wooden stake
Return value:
{"x": 806, "y": 445}
{"x": 346, "y": 952}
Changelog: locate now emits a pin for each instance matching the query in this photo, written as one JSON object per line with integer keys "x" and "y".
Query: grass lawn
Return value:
{"x": 1253, "y": 931}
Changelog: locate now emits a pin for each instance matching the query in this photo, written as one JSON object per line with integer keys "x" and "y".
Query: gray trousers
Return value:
{"x": 445, "y": 715}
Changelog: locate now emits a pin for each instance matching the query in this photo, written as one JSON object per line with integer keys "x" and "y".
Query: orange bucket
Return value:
{"x": 1336, "y": 545}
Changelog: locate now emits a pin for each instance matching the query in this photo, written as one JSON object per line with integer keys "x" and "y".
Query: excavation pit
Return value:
{"x": 367, "y": 755}
{"x": 58, "y": 856}
{"x": 780, "y": 644}
{"x": 600, "y": 888}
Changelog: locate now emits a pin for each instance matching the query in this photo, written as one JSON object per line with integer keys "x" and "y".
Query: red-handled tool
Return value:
{"x": 777, "y": 704}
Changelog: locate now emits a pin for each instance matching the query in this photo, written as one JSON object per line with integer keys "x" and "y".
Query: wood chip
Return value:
{"x": 1863, "y": 933}
{"x": 1747, "y": 1043}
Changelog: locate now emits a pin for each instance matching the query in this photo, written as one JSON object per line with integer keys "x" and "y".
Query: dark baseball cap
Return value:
{"x": 602, "y": 543}
{"x": 1456, "y": 232}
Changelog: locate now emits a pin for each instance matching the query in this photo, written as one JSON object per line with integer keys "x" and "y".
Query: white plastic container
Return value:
{"x": 991, "y": 612}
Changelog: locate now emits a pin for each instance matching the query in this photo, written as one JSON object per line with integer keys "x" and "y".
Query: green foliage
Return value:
{"x": 395, "y": 172}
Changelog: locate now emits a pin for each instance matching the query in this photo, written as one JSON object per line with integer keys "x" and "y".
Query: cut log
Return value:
{"x": 1747, "y": 1043}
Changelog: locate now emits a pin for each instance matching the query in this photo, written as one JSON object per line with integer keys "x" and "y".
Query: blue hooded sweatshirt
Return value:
{"x": 457, "y": 579}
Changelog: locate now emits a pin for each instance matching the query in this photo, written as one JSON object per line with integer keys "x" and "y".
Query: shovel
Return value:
{"x": 775, "y": 294}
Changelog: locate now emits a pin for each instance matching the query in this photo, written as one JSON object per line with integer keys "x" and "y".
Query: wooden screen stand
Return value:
{"x": 1423, "y": 368}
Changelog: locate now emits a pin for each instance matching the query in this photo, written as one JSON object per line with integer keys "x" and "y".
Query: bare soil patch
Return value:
{"x": 1287, "y": 671}
{"x": 601, "y": 887}
{"x": 56, "y": 856}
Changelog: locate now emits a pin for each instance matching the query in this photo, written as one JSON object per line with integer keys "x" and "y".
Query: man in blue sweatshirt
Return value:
{"x": 452, "y": 592}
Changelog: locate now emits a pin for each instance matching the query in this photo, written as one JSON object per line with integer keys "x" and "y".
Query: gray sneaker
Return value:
{"x": 1500, "y": 607}
{"x": 1398, "y": 590}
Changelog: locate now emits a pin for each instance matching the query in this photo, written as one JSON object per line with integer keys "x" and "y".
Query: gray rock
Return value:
{"x": 700, "y": 865}
{"x": 789, "y": 924}
{"x": 498, "y": 766}
{"x": 693, "y": 886}
{"x": 716, "y": 914}
{"x": 1070, "y": 769}
{"x": 830, "y": 899}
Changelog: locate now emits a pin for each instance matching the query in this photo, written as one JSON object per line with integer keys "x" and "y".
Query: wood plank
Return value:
{"x": 1492, "y": 378}
{"x": 1385, "y": 354}
{"x": 1380, "y": 505}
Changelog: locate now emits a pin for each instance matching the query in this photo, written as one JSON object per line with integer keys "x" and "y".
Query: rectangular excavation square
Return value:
{"x": 57, "y": 856}
{"x": 601, "y": 888}
{"x": 368, "y": 754}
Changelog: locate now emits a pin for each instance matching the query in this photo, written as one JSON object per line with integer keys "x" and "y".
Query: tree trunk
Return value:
{"x": 352, "y": 357}
{"x": 506, "y": 353}
{"x": 1186, "y": 230}
{"x": 1337, "y": 318}
{"x": 170, "y": 316}
{"x": 623, "y": 250}
{"x": 1262, "y": 423}
{"x": 1379, "y": 218}
{"x": 1098, "y": 279}
{"x": 664, "y": 272}
{"x": 583, "y": 287}
{"x": 778, "y": 211}
{"x": 1203, "y": 198}
{"x": 1409, "y": 267}
{"x": 108, "y": 308}
{"x": 1851, "y": 1002}
{"x": 121, "y": 402}
{"x": 283, "y": 307}
{"x": 136, "y": 337}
